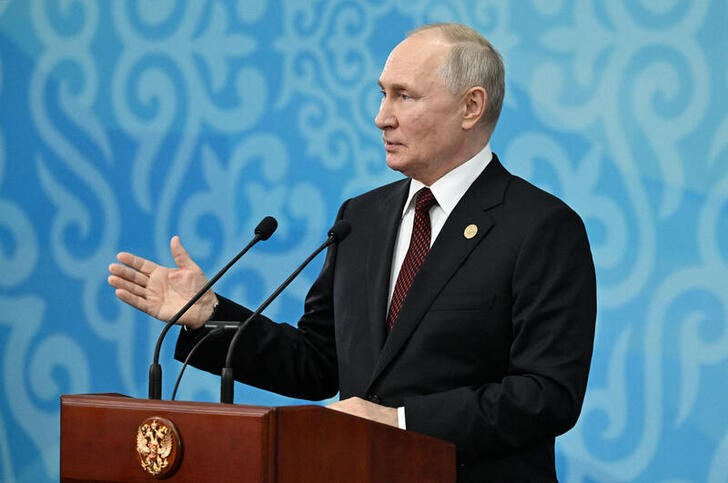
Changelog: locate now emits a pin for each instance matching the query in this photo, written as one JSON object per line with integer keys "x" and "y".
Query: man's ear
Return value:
{"x": 474, "y": 102}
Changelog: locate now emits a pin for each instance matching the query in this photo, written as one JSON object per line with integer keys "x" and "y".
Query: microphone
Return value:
{"x": 218, "y": 327}
{"x": 338, "y": 232}
{"x": 263, "y": 231}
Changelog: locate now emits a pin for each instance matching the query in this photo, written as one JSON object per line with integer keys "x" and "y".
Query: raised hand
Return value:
{"x": 162, "y": 291}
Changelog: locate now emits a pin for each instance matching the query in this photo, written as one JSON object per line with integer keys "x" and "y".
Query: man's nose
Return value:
{"x": 385, "y": 118}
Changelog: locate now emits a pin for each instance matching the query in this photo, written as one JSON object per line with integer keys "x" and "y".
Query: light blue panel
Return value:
{"x": 124, "y": 123}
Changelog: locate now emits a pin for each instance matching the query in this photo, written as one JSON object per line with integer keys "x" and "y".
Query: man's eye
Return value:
{"x": 405, "y": 97}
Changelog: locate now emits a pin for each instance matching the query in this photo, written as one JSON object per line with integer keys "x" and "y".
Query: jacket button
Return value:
{"x": 374, "y": 398}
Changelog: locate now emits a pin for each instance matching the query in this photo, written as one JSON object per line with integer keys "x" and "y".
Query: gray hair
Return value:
{"x": 472, "y": 61}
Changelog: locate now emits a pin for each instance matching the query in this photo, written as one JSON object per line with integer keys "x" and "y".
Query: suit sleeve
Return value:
{"x": 293, "y": 361}
{"x": 553, "y": 317}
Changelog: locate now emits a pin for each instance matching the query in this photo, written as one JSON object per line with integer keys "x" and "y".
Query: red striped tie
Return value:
{"x": 416, "y": 253}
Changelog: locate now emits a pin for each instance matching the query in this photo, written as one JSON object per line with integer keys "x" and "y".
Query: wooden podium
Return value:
{"x": 101, "y": 434}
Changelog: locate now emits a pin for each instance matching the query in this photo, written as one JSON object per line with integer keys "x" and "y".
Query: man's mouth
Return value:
{"x": 391, "y": 145}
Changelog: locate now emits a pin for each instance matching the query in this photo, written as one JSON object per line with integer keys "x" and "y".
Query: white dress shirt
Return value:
{"x": 447, "y": 191}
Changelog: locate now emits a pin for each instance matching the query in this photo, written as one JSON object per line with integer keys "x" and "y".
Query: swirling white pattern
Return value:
{"x": 124, "y": 123}
{"x": 17, "y": 270}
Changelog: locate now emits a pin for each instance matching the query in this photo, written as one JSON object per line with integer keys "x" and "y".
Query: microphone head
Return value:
{"x": 340, "y": 230}
{"x": 266, "y": 227}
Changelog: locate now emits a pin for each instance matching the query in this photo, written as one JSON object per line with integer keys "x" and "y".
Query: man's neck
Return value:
{"x": 428, "y": 179}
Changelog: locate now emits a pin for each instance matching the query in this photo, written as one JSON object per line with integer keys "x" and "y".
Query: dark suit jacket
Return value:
{"x": 491, "y": 349}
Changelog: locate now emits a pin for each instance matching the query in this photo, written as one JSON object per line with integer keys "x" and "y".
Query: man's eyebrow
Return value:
{"x": 395, "y": 87}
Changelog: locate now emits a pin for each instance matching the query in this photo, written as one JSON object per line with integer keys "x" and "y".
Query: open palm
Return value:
{"x": 161, "y": 291}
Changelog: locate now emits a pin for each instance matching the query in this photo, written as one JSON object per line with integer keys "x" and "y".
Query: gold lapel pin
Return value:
{"x": 470, "y": 231}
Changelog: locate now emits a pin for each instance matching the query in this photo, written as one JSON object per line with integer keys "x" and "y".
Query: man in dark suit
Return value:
{"x": 463, "y": 302}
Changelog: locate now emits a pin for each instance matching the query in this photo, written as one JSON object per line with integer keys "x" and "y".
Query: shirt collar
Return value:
{"x": 452, "y": 186}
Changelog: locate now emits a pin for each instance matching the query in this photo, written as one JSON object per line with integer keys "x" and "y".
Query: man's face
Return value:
{"x": 421, "y": 121}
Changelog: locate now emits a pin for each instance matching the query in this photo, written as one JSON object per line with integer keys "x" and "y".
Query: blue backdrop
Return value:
{"x": 123, "y": 123}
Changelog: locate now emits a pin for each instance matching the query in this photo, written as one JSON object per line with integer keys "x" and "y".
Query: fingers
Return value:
{"x": 352, "y": 405}
{"x": 130, "y": 279}
{"x": 365, "y": 409}
{"x": 127, "y": 285}
{"x": 139, "y": 264}
{"x": 180, "y": 255}
{"x": 132, "y": 275}
{"x": 134, "y": 280}
{"x": 132, "y": 299}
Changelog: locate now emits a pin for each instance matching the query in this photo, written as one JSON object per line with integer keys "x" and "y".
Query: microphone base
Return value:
{"x": 227, "y": 388}
{"x": 155, "y": 381}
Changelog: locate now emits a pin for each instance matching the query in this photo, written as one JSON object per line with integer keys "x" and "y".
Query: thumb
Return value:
{"x": 180, "y": 255}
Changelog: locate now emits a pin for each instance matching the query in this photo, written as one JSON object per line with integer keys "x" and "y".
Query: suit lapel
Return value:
{"x": 379, "y": 261}
{"x": 448, "y": 253}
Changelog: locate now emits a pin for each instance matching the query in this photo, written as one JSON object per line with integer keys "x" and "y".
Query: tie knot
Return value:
{"x": 424, "y": 200}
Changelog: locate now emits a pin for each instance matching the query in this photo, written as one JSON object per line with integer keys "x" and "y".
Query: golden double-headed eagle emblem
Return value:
{"x": 156, "y": 446}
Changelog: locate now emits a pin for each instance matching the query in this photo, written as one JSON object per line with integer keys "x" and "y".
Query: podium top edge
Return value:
{"x": 113, "y": 400}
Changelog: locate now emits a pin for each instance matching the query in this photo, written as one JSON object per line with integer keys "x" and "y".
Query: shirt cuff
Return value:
{"x": 401, "y": 422}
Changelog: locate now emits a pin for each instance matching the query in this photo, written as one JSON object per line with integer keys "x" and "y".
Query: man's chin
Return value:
{"x": 396, "y": 163}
